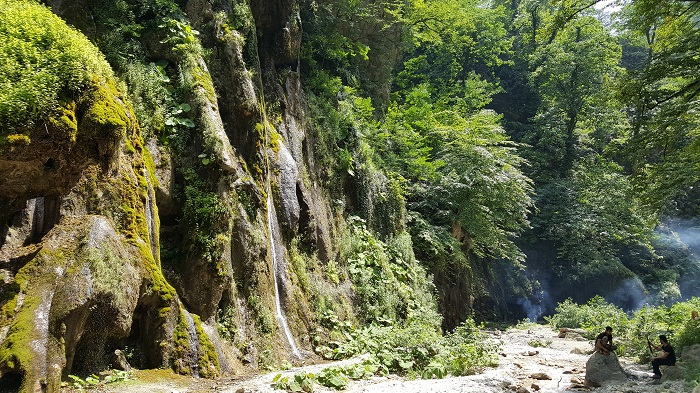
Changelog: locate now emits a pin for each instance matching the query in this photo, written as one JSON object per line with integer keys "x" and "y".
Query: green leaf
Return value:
{"x": 406, "y": 364}
{"x": 295, "y": 386}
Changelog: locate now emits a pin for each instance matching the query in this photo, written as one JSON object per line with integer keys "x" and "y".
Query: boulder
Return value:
{"x": 603, "y": 369}
{"x": 119, "y": 361}
{"x": 568, "y": 332}
{"x": 691, "y": 353}
{"x": 673, "y": 373}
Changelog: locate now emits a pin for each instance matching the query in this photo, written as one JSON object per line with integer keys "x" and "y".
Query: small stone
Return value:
{"x": 581, "y": 351}
{"x": 522, "y": 389}
{"x": 540, "y": 376}
{"x": 535, "y": 387}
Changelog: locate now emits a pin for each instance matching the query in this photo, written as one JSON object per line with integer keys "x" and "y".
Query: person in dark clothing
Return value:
{"x": 603, "y": 343}
{"x": 668, "y": 357}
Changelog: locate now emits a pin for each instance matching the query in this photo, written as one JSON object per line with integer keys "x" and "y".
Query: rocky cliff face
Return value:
{"x": 121, "y": 239}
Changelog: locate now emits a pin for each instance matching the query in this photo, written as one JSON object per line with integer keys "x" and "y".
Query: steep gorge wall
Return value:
{"x": 117, "y": 240}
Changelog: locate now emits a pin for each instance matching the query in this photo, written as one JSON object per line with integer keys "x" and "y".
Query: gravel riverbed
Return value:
{"x": 557, "y": 367}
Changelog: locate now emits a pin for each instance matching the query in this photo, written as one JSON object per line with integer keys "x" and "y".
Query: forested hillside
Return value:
{"x": 219, "y": 185}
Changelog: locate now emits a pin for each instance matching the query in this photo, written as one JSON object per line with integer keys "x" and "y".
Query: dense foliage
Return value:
{"x": 41, "y": 63}
{"x": 416, "y": 347}
{"x": 559, "y": 136}
{"x": 631, "y": 331}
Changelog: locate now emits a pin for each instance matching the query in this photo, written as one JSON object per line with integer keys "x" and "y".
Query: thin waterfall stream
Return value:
{"x": 281, "y": 319}
{"x": 194, "y": 342}
{"x": 150, "y": 213}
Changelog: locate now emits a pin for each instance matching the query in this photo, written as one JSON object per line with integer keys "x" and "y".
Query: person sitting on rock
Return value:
{"x": 668, "y": 357}
{"x": 603, "y": 343}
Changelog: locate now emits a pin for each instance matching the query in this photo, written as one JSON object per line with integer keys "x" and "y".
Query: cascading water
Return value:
{"x": 150, "y": 213}
{"x": 41, "y": 327}
{"x": 276, "y": 271}
{"x": 193, "y": 341}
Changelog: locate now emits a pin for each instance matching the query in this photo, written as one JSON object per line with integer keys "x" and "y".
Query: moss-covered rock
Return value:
{"x": 41, "y": 60}
{"x": 194, "y": 354}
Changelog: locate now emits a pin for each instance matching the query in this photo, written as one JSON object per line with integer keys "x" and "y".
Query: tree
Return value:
{"x": 664, "y": 98}
{"x": 464, "y": 173}
{"x": 570, "y": 70}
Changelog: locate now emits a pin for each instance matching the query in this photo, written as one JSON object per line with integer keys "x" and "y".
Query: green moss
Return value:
{"x": 163, "y": 312}
{"x": 104, "y": 265}
{"x": 150, "y": 167}
{"x": 181, "y": 345}
{"x": 64, "y": 121}
{"x": 158, "y": 284}
{"x": 203, "y": 80}
{"x": 41, "y": 59}
{"x": 208, "y": 359}
{"x": 18, "y": 139}
{"x": 129, "y": 147}
{"x": 275, "y": 139}
{"x": 16, "y": 351}
{"x": 105, "y": 116}
{"x": 299, "y": 266}
{"x": 260, "y": 130}
{"x": 220, "y": 263}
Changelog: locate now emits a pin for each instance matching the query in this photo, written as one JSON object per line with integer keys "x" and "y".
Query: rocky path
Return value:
{"x": 525, "y": 366}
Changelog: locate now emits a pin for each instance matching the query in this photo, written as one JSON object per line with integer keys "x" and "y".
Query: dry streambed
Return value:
{"x": 525, "y": 366}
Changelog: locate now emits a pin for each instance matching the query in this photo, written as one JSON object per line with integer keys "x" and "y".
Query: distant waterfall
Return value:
{"x": 281, "y": 320}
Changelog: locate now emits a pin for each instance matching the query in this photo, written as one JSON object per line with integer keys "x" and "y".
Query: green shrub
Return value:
{"x": 416, "y": 347}
{"x": 335, "y": 377}
{"x": 538, "y": 342}
{"x": 692, "y": 376}
{"x": 593, "y": 316}
{"x": 151, "y": 93}
{"x": 632, "y": 331}
{"x": 264, "y": 316}
{"x": 41, "y": 58}
{"x": 689, "y": 335}
{"x": 388, "y": 281}
{"x": 301, "y": 382}
{"x": 466, "y": 351}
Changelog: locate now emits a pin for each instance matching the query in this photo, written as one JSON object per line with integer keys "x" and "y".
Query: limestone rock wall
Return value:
{"x": 107, "y": 242}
